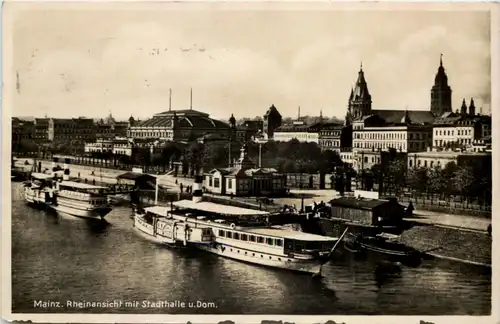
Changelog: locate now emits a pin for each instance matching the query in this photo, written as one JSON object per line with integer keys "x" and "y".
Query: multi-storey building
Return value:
{"x": 78, "y": 130}
{"x": 299, "y": 131}
{"x": 431, "y": 159}
{"x": 116, "y": 146}
{"x": 462, "y": 130}
{"x": 178, "y": 125}
{"x": 110, "y": 128}
{"x": 405, "y": 135}
{"x": 21, "y": 130}
{"x": 335, "y": 136}
{"x": 41, "y": 130}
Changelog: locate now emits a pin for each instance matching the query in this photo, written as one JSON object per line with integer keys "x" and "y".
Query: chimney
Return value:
{"x": 197, "y": 191}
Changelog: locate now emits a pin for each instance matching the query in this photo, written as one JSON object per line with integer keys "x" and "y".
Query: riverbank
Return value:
{"x": 455, "y": 237}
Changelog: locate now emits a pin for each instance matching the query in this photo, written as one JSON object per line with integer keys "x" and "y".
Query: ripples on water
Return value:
{"x": 70, "y": 259}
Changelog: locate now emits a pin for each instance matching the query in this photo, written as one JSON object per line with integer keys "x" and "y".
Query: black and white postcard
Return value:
{"x": 203, "y": 162}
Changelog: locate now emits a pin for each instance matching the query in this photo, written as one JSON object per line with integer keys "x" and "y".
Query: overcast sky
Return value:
{"x": 75, "y": 62}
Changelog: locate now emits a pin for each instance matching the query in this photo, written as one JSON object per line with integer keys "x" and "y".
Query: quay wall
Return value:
{"x": 469, "y": 246}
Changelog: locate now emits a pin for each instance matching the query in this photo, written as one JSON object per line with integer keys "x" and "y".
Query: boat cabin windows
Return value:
{"x": 292, "y": 245}
{"x": 251, "y": 238}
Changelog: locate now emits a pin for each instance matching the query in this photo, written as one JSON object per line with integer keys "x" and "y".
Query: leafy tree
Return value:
{"x": 464, "y": 179}
{"x": 418, "y": 179}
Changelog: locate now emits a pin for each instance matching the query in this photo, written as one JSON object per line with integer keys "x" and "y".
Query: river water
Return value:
{"x": 70, "y": 260}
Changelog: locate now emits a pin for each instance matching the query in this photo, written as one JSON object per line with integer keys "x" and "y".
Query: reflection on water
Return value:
{"x": 63, "y": 258}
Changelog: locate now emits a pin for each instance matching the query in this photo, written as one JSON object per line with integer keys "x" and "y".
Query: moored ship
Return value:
{"x": 234, "y": 232}
{"x": 67, "y": 197}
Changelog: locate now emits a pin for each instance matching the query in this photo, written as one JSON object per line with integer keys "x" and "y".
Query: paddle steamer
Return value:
{"x": 67, "y": 197}
{"x": 234, "y": 232}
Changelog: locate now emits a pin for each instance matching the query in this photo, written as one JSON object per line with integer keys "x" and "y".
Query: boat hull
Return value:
{"x": 313, "y": 267}
{"x": 147, "y": 231}
{"x": 95, "y": 213}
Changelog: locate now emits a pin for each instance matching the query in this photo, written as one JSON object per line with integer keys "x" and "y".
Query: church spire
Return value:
{"x": 441, "y": 92}
{"x": 472, "y": 107}
{"x": 463, "y": 109}
{"x": 360, "y": 100}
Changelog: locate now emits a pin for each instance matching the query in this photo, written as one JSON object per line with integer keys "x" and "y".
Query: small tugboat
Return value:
{"x": 383, "y": 246}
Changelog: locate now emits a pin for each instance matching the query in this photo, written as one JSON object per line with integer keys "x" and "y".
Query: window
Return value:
{"x": 221, "y": 233}
{"x": 244, "y": 237}
{"x": 229, "y": 184}
{"x": 236, "y": 236}
{"x": 216, "y": 182}
{"x": 210, "y": 182}
{"x": 269, "y": 241}
{"x": 229, "y": 234}
{"x": 252, "y": 238}
{"x": 260, "y": 239}
{"x": 279, "y": 242}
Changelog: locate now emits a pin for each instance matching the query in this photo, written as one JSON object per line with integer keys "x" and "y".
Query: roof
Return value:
{"x": 198, "y": 121}
{"x": 134, "y": 176}
{"x": 217, "y": 208}
{"x": 80, "y": 185}
{"x": 41, "y": 176}
{"x": 357, "y": 203}
{"x": 158, "y": 210}
{"x": 395, "y": 116}
{"x": 285, "y": 233}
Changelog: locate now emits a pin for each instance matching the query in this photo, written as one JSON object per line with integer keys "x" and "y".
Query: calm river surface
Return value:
{"x": 68, "y": 259}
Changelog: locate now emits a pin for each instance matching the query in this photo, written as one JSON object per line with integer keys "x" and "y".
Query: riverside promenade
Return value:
{"x": 442, "y": 235}
{"x": 424, "y": 217}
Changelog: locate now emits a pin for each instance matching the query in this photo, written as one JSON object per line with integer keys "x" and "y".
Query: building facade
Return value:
{"x": 299, "y": 131}
{"x": 461, "y": 130}
{"x": 110, "y": 128}
{"x": 440, "y": 159}
{"x": 335, "y": 137}
{"x": 41, "y": 130}
{"x": 178, "y": 125}
{"x": 375, "y": 133}
{"x": 244, "y": 179}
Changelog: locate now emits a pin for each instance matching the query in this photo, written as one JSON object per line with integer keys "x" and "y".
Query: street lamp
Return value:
{"x": 260, "y": 138}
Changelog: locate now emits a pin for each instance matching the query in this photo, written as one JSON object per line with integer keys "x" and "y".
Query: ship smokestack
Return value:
{"x": 66, "y": 172}
{"x": 197, "y": 191}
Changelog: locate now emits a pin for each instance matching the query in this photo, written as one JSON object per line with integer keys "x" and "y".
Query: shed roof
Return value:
{"x": 134, "y": 176}
{"x": 358, "y": 203}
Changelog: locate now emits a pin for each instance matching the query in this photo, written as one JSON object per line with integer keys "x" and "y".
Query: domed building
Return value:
{"x": 178, "y": 125}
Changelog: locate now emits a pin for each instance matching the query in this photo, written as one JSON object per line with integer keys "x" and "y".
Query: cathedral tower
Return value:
{"x": 360, "y": 100}
{"x": 441, "y": 92}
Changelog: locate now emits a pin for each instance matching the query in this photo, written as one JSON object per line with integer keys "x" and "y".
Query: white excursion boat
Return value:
{"x": 38, "y": 190}
{"x": 80, "y": 200}
{"x": 233, "y": 232}
{"x": 68, "y": 197}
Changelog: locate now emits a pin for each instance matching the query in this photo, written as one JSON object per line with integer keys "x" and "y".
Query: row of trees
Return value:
{"x": 289, "y": 157}
{"x": 471, "y": 179}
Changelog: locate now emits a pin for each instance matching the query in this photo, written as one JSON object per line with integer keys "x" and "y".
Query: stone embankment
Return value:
{"x": 448, "y": 236}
